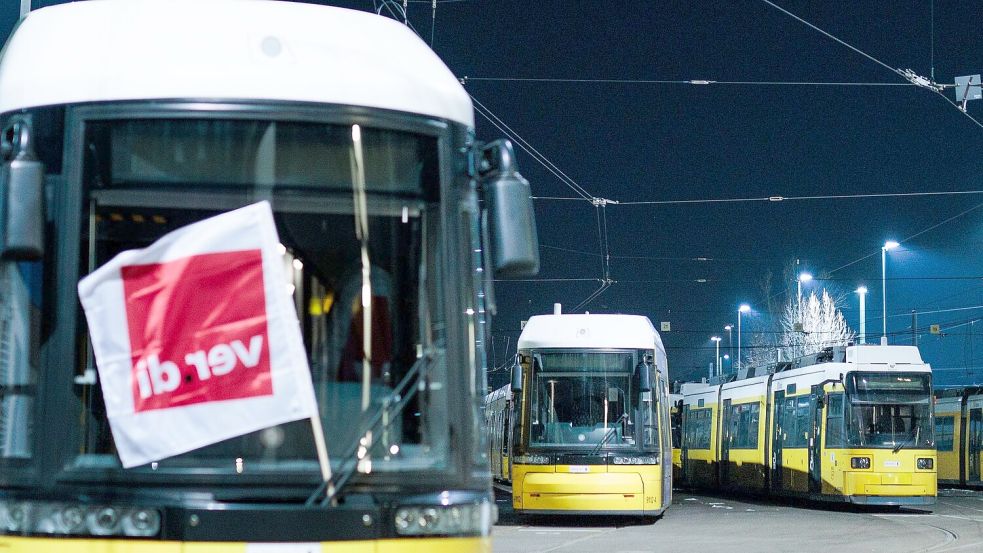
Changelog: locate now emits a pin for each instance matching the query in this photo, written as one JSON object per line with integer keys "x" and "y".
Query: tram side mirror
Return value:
{"x": 21, "y": 195}
{"x": 644, "y": 377}
{"x": 511, "y": 219}
{"x": 516, "y": 378}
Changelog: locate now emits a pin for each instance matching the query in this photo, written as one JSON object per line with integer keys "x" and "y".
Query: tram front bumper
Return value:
{"x": 891, "y": 488}
{"x": 610, "y": 493}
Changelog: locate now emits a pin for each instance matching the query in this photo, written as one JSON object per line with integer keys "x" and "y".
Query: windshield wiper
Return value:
{"x": 609, "y": 434}
{"x": 911, "y": 436}
{"x": 399, "y": 398}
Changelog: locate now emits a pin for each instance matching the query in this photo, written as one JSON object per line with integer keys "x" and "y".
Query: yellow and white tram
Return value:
{"x": 126, "y": 119}
{"x": 584, "y": 425}
{"x": 959, "y": 435}
{"x": 847, "y": 424}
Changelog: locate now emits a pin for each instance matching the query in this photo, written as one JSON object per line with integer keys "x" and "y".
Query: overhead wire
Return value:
{"x": 503, "y": 127}
{"x": 531, "y": 150}
{"x": 599, "y": 203}
{"x": 778, "y": 198}
{"x": 919, "y": 233}
{"x": 693, "y": 82}
{"x": 909, "y": 76}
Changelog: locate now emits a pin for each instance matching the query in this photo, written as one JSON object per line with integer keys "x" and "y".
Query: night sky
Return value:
{"x": 693, "y": 263}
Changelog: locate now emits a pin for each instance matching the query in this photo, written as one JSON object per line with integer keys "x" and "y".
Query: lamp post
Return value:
{"x": 862, "y": 292}
{"x": 726, "y": 358}
{"x": 803, "y": 277}
{"x": 716, "y": 357}
{"x": 744, "y": 308}
{"x": 889, "y": 245}
{"x": 730, "y": 341}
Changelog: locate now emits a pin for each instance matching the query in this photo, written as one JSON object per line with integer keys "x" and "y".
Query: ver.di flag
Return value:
{"x": 196, "y": 338}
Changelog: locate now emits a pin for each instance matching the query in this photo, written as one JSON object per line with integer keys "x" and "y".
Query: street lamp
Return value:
{"x": 730, "y": 340}
{"x": 724, "y": 362}
{"x": 889, "y": 245}
{"x": 862, "y": 292}
{"x": 803, "y": 277}
{"x": 716, "y": 357}
{"x": 744, "y": 308}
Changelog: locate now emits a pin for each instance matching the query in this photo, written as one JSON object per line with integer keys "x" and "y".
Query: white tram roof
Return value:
{"x": 871, "y": 358}
{"x": 105, "y": 50}
{"x": 589, "y": 331}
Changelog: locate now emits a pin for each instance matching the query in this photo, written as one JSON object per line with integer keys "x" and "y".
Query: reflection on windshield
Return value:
{"x": 890, "y": 425}
{"x": 362, "y": 278}
{"x": 587, "y": 399}
{"x": 890, "y": 410}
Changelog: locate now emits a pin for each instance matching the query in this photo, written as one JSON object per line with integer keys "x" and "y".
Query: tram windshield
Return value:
{"x": 889, "y": 410}
{"x": 144, "y": 178}
{"x": 590, "y": 400}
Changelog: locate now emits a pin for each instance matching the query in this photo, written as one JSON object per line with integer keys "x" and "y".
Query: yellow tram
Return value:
{"x": 847, "y": 424}
{"x": 126, "y": 119}
{"x": 959, "y": 435}
{"x": 584, "y": 425}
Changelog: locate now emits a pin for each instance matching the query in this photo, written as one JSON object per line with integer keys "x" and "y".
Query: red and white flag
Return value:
{"x": 196, "y": 338}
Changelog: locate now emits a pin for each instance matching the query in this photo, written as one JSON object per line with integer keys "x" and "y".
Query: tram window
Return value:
{"x": 676, "y": 418}
{"x": 697, "y": 431}
{"x": 944, "y": 433}
{"x": 803, "y": 421}
{"x": 585, "y": 398}
{"x": 746, "y": 416}
{"x": 835, "y": 436}
{"x": 797, "y": 422}
{"x": 20, "y": 303}
{"x": 196, "y": 169}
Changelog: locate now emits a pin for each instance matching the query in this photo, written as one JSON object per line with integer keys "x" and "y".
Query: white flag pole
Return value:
{"x": 322, "y": 453}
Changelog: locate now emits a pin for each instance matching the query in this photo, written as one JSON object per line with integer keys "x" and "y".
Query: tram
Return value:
{"x": 583, "y": 428}
{"x": 126, "y": 119}
{"x": 852, "y": 424}
{"x": 959, "y": 435}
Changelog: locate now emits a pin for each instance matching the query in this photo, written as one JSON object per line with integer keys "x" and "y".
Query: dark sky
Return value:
{"x": 658, "y": 142}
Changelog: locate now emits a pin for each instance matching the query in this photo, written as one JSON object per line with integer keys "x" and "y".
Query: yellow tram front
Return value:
{"x": 879, "y": 439}
{"x": 594, "y": 425}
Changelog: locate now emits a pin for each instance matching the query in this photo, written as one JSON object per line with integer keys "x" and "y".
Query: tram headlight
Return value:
{"x": 470, "y": 519}
{"x": 13, "y": 516}
{"x": 645, "y": 460}
{"x": 141, "y": 522}
{"x": 102, "y": 521}
{"x": 860, "y": 462}
{"x": 51, "y": 518}
{"x": 925, "y": 463}
{"x": 532, "y": 460}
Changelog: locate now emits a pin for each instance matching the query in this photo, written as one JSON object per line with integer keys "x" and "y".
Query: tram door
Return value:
{"x": 975, "y": 441}
{"x": 726, "y": 437}
{"x": 815, "y": 443}
{"x": 776, "y": 441}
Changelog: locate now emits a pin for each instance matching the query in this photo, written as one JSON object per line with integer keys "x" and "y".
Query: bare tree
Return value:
{"x": 808, "y": 325}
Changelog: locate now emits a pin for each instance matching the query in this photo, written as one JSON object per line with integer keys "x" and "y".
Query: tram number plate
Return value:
{"x": 579, "y": 468}
{"x": 894, "y": 464}
{"x": 283, "y": 548}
